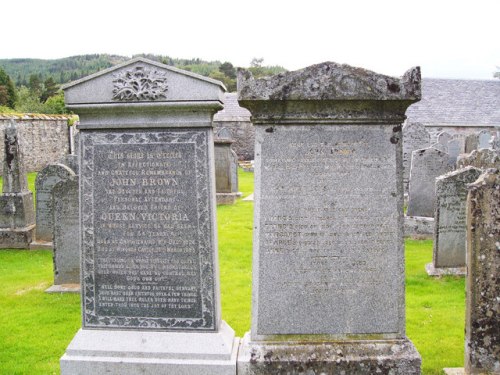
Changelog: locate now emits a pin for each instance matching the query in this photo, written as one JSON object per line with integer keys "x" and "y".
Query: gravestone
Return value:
{"x": 471, "y": 143}
{"x": 443, "y": 138}
{"x": 66, "y": 237}
{"x": 456, "y": 146}
{"x": 328, "y": 278}
{"x": 45, "y": 182}
{"x": 426, "y": 165}
{"x": 415, "y": 137}
{"x": 439, "y": 146}
{"x": 449, "y": 230}
{"x": 17, "y": 216}
{"x": 482, "y": 333}
{"x": 483, "y": 159}
{"x": 226, "y": 168}
{"x": 150, "y": 287}
{"x": 484, "y": 138}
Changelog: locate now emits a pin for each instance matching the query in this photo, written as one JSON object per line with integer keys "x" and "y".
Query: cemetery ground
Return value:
{"x": 36, "y": 327}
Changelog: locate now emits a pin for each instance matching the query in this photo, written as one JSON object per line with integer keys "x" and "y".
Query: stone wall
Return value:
{"x": 45, "y": 138}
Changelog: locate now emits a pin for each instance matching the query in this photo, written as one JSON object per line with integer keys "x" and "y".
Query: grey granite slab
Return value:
{"x": 415, "y": 137}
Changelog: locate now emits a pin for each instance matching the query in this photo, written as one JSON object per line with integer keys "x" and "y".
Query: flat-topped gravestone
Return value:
{"x": 17, "y": 216}
{"x": 415, "y": 137}
{"x": 449, "y": 230}
{"x": 426, "y": 165}
{"x": 150, "y": 287}
{"x": 484, "y": 138}
{"x": 456, "y": 146}
{"x": 482, "y": 332}
{"x": 66, "y": 237}
{"x": 226, "y": 168}
{"x": 45, "y": 182}
{"x": 482, "y": 159}
{"x": 328, "y": 267}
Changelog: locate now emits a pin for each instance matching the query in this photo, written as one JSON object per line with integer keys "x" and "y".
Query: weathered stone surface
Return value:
{"x": 17, "y": 217}
{"x": 471, "y": 143}
{"x": 439, "y": 146}
{"x": 226, "y": 168}
{"x": 66, "y": 232}
{"x": 482, "y": 333}
{"x": 326, "y": 154}
{"x": 484, "y": 138}
{"x": 456, "y": 146}
{"x": 415, "y": 137}
{"x": 450, "y": 231}
{"x": 45, "y": 182}
{"x": 444, "y": 138}
{"x": 426, "y": 165}
{"x": 149, "y": 245}
{"x": 482, "y": 159}
{"x": 419, "y": 227}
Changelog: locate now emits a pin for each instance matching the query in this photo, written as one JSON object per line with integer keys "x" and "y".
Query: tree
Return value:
{"x": 230, "y": 83}
{"x": 8, "y": 98}
{"x": 49, "y": 89}
{"x": 28, "y": 102}
{"x": 228, "y": 69}
{"x": 35, "y": 85}
{"x": 55, "y": 104}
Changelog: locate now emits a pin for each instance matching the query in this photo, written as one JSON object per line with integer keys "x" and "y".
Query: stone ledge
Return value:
{"x": 445, "y": 271}
{"x": 64, "y": 288}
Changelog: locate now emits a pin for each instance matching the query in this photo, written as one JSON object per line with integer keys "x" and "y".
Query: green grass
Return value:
{"x": 37, "y": 327}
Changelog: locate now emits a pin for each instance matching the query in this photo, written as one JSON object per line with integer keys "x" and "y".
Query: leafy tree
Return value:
{"x": 35, "y": 85}
{"x": 258, "y": 70}
{"x": 55, "y": 104}
{"x": 230, "y": 83}
{"x": 28, "y": 101}
{"x": 49, "y": 89}
{"x": 228, "y": 69}
{"x": 8, "y": 90}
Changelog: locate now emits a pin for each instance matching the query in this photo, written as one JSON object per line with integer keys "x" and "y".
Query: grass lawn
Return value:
{"x": 36, "y": 327}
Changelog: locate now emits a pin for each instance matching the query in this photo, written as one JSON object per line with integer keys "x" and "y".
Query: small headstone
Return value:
{"x": 484, "y": 138}
{"x": 426, "y": 165}
{"x": 483, "y": 159}
{"x": 456, "y": 146}
{"x": 226, "y": 168}
{"x": 471, "y": 143}
{"x": 449, "y": 231}
{"x": 17, "y": 216}
{"x": 150, "y": 288}
{"x": 328, "y": 150}
{"x": 45, "y": 182}
{"x": 66, "y": 237}
{"x": 482, "y": 326}
{"x": 439, "y": 146}
{"x": 444, "y": 138}
{"x": 415, "y": 137}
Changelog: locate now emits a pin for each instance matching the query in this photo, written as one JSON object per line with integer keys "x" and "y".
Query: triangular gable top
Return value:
{"x": 142, "y": 80}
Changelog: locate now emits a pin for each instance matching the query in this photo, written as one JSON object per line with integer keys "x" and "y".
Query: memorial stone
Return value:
{"x": 443, "y": 138}
{"x": 482, "y": 325}
{"x": 484, "y": 138}
{"x": 150, "y": 287}
{"x": 471, "y": 143}
{"x": 415, "y": 137}
{"x": 66, "y": 239}
{"x": 456, "y": 146}
{"x": 483, "y": 159}
{"x": 439, "y": 146}
{"x": 426, "y": 165}
{"x": 449, "y": 230}
{"x": 226, "y": 168}
{"x": 45, "y": 182}
{"x": 17, "y": 216}
{"x": 328, "y": 266}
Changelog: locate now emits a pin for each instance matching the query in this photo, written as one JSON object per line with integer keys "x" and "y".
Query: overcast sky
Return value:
{"x": 447, "y": 38}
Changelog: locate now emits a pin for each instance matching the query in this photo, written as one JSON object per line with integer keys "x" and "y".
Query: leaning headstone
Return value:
{"x": 482, "y": 159}
{"x": 150, "y": 287}
{"x": 482, "y": 332}
{"x": 484, "y": 138}
{"x": 471, "y": 143}
{"x": 328, "y": 284}
{"x": 226, "y": 168}
{"x": 443, "y": 138}
{"x": 426, "y": 165}
{"x": 456, "y": 146}
{"x": 45, "y": 182}
{"x": 415, "y": 137}
{"x": 449, "y": 230}
{"x": 66, "y": 239}
{"x": 17, "y": 216}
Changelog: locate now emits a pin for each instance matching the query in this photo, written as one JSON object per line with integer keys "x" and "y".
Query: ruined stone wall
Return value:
{"x": 44, "y": 138}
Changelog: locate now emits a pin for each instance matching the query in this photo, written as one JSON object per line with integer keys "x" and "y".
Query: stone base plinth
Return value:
{"x": 41, "y": 245}
{"x": 454, "y": 371}
{"x": 64, "y": 288}
{"x": 139, "y": 352}
{"x": 227, "y": 198}
{"x": 353, "y": 357}
{"x": 19, "y": 238}
{"x": 443, "y": 271}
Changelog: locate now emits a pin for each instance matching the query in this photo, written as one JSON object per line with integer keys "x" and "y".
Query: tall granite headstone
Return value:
{"x": 483, "y": 159}
{"x": 484, "y": 138}
{"x": 226, "y": 168}
{"x": 328, "y": 265}
{"x": 415, "y": 137}
{"x": 426, "y": 165}
{"x": 482, "y": 325}
{"x": 150, "y": 289}
{"x": 449, "y": 225}
{"x": 66, "y": 238}
{"x": 45, "y": 182}
{"x": 17, "y": 215}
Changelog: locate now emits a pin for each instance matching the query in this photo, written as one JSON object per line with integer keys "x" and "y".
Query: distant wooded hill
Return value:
{"x": 75, "y": 67}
